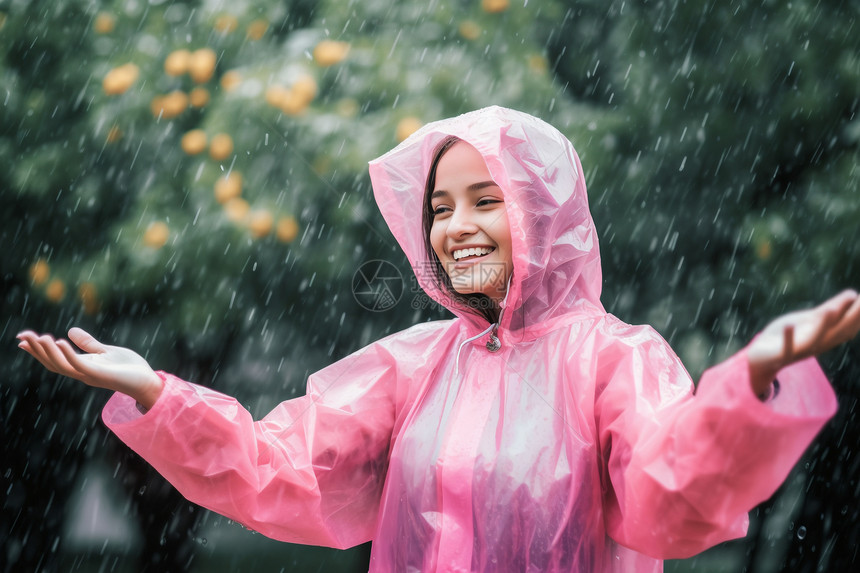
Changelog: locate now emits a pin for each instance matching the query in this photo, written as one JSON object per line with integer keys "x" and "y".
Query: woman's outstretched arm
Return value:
{"x": 802, "y": 334}
{"x": 103, "y": 366}
{"x": 682, "y": 471}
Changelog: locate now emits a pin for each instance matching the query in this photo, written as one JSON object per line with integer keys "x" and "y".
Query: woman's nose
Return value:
{"x": 461, "y": 223}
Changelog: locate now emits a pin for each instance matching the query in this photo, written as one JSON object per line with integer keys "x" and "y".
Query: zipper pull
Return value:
{"x": 493, "y": 344}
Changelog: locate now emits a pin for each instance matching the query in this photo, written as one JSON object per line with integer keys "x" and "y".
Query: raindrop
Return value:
{"x": 201, "y": 540}
{"x": 801, "y": 532}
{"x": 141, "y": 490}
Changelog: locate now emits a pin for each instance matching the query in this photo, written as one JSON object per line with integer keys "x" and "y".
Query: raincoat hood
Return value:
{"x": 556, "y": 261}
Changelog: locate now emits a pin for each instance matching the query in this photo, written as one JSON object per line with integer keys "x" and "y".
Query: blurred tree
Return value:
{"x": 189, "y": 179}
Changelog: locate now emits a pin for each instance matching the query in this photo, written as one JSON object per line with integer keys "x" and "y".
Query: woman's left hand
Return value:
{"x": 798, "y": 335}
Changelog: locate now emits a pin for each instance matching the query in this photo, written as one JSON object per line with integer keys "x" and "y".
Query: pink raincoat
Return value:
{"x": 577, "y": 446}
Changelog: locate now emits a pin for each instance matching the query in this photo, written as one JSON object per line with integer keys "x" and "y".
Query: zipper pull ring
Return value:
{"x": 493, "y": 344}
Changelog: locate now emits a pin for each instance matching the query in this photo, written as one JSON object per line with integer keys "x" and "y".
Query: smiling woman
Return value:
{"x": 469, "y": 233}
{"x": 438, "y": 198}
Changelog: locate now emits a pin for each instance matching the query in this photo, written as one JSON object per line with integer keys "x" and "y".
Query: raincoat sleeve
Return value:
{"x": 310, "y": 472}
{"x": 681, "y": 470}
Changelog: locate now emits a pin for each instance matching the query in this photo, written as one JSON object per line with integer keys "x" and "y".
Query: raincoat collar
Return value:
{"x": 557, "y": 276}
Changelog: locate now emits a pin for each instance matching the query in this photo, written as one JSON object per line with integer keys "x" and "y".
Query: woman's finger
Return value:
{"x": 75, "y": 361}
{"x": 85, "y": 341}
{"x": 849, "y": 324}
{"x": 53, "y": 352}
{"x": 839, "y": 324}
{"x": 839, "y": 306}
{"x": 34, "y": 350}
{"x": 37, "y": 349}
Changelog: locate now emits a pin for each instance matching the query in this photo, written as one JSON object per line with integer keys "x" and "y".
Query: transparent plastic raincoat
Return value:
{"x": 579, "y": 445}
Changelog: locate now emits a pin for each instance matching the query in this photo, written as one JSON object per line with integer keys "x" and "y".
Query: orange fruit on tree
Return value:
{"x": 236, "y": 209}
{"x": 261, "y": 222}
{"x": 118, "y": 80}
{"x": 305, "y": 88}
{"x": 231, "y": 80}
{"x": 330, "y": 52}
{"x": 39, "y": 272}
{"x": 170, "y": 105}
{"x": 194, "y": 141}
{"x": 201, "y": 66}
{"x": 156, "y": 234}
{"x": 293, "y": 104}
{"x": 156, "y": 106}
{"x": 226, "y": 23}
{"x": 56, "y": 290}
{"x": 221, "y": 146}
{"x": 257, "y": 29}
{"x": 287, "y": 229}
{"x": 176, "y": 63}
{"x": 199, "y": 97}
{"x": 470, "y": 30}
{"x": 89, "y": 297}
{"x": 228, "y": 187}
{"x": 276, "y": 95}
{"x": 175, "y": 103}
{"x": 495, "y": 6}
{"x": 104, "y": 23}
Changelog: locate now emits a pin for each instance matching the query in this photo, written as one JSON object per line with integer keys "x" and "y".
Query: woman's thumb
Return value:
{"x": 85, "y": 341}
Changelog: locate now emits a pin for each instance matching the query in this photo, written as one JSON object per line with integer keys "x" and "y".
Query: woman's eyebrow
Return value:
{"x": 473, "y": 187}
{"x": 481, "y": 185}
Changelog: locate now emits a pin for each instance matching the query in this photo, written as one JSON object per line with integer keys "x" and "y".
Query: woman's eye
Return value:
{"x": 440, "y": 210}
{"x": 484, "y": 202}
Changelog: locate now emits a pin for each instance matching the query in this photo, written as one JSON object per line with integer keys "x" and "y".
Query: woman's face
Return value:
{"x": 470, "y": 232}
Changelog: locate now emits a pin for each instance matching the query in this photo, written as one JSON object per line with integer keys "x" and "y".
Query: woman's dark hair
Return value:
{"x": 480, "y": 303}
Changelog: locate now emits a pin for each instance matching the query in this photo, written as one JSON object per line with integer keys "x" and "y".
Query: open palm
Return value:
{"x": 801, "y": 334}
{"x": 101, "y": 365}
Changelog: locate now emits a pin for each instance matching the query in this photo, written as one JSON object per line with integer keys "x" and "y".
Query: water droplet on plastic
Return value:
{"x": 801, "y": 532}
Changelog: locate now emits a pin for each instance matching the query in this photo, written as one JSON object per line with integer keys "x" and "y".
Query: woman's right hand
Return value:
{"x": 103, "y": 366}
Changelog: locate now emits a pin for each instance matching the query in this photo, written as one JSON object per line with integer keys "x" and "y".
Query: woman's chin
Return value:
{"x": 495, "y": 292}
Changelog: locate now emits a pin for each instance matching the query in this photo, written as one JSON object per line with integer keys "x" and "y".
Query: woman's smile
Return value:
{"x": 471, "y": 253}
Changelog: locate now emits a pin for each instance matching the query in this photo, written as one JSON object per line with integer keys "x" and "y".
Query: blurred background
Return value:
{"x": 189, "y": 179}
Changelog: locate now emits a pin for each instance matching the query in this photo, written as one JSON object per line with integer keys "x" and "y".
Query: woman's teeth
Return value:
{"x": 479, "y": 252}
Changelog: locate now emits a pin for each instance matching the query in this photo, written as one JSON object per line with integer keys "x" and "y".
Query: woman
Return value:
{"x": 534, "y": 432}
